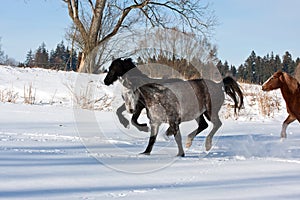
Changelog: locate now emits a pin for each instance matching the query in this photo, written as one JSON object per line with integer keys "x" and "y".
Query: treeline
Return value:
{"x": 257, "y": 69}
{"x": 61, "y": 58}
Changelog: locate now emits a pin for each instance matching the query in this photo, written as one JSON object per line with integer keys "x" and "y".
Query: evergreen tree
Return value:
{"x": 41, "y": 58}
{"x": 233, "y": 70}
{"x": 288, "y": 64}
{"x": 241, "y": 73}
{"x": 250, "y": 68}
{"x": 220, "y": 67}
{"x": 277, "y": 64}
{"x": 29, "y": 62}
{"x": 58, "y": 57}
{"x": 223, "y": 68}
{"x": 259, "y": 70}
{"x": 61, "y": 58}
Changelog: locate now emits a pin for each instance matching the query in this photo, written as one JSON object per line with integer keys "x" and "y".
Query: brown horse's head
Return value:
{"x": 274, "y": 82}
{"x": 281, "y": 80}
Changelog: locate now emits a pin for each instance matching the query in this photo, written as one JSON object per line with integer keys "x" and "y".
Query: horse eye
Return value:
{"x": 122, "y": 97}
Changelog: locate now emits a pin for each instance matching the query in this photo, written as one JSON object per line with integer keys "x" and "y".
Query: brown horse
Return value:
{"x": 290, "y": 90}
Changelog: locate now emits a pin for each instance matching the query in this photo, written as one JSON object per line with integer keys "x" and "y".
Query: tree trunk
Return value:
{"x": 88, "y": 62}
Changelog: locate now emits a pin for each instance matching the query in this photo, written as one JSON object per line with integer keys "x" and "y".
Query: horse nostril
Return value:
{"x": 131, "y": 110}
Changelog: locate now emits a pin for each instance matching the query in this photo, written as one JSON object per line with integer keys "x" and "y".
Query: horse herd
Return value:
{"x": 174, "y": 101}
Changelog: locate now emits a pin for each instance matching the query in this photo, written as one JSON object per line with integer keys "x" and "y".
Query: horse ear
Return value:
{"x": 280, "y": 76}
{"x": 128, "y": 59}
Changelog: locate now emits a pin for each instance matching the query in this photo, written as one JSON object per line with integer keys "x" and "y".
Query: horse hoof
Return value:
{"x": 142, "y": 124}
{"x": 143, "y": 128}
{"x": 208, "y": 146}
{"x": 145, "y": 153}
{"x": 181, "y": 155}
{"x": 282, "y": 139}
{"x": 125, "y": 124}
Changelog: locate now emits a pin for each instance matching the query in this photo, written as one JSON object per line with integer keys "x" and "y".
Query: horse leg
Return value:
{"x": 216, "y": 125}
{"x": 138, "y": 109}
{"x": 121, "y": 117}
{"x": 154, "y": 131}
{"x": 286, "y": 122}
{"x": 178, "y": 140}
{"x": 202, "y": 125}
{"x": 174, "y": 130}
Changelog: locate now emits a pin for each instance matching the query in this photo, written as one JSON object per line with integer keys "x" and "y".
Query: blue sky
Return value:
{"x": 259, "y": 25}
{"x": 25, "y": 24}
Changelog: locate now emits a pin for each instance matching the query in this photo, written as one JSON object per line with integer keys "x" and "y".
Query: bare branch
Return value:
{"x": 99, "y": 20}
{"x": 73, "y": 13}
{"x": 122, "y": 18}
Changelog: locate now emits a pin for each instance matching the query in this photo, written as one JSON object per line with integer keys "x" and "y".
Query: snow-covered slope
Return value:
{"x": 53, "y": 149}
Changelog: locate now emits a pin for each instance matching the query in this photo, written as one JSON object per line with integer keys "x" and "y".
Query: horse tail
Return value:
{"x": 233, "y": 90}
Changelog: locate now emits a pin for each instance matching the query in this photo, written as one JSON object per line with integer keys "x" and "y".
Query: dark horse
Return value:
{"x": 290, "y": 90}
{"x": 171, "y": 103}
{"x": 126, "y": 70}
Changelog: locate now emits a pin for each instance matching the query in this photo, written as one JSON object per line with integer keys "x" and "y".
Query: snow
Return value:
{"x": 53, "y": 149}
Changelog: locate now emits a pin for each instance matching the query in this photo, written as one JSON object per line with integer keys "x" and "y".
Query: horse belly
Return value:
{"x": 157, "y": 114}
{"x": 191, "y": 111}
{"x": 191, "y": 105}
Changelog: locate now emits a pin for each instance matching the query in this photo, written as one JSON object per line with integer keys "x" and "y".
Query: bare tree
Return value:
{"x": 97, "y": 21}
{"x": 186, "y": 53}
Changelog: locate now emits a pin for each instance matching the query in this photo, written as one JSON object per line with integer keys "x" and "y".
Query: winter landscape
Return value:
{"x": 60, "y": 139}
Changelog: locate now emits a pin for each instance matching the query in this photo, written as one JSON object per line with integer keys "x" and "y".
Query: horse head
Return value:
{"x": 117, "y": 69}
{"x": 274, "y": 82}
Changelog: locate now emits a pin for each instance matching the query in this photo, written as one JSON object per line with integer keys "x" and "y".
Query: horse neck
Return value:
{"x": 286, "y": 92}
{"x": 291, "y": 84}
{"x": 134, "y": 77}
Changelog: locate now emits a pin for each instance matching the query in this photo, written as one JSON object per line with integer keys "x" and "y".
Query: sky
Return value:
{"x": 260, "y": 25}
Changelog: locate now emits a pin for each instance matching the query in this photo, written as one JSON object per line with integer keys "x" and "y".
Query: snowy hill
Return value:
{"x": 51, "y": 148}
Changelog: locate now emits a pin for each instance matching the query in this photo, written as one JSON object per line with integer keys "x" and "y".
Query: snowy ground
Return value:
{"x": 55, "y": 150}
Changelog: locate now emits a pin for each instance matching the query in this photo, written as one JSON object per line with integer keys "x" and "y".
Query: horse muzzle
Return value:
{"x": 264, "y": 88}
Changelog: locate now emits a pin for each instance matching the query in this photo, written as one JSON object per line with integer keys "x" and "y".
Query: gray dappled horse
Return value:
{"x": 193, "y": 99}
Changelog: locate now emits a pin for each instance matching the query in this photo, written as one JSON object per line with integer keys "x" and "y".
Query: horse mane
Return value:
{"x": 292, "y": 83}
{"x": 128, "y": 63}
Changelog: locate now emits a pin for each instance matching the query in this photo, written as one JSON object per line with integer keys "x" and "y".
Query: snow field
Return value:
{"x": 56, "y": 150}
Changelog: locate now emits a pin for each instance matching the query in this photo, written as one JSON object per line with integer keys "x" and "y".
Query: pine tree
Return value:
{"x": 220, "y": 67}
{"x": 41, "y": 58}
{"x": 242, "y": 73}
{"x": 29, "y": 62}
{"x": 250, "y": 69}
{"x": 288, "y": 64}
